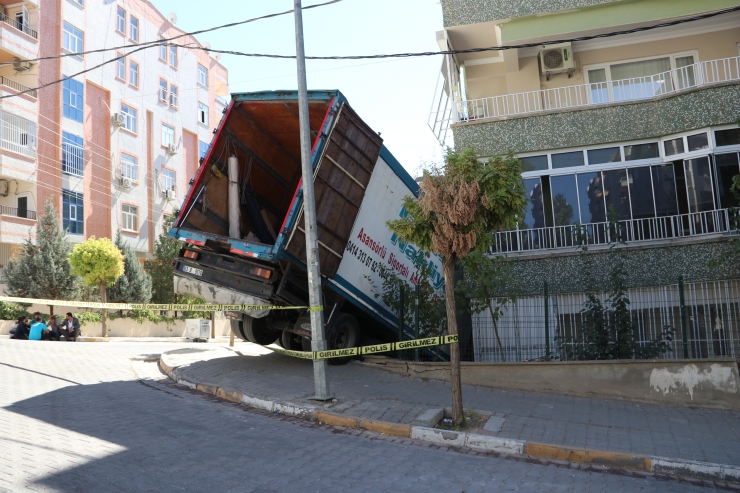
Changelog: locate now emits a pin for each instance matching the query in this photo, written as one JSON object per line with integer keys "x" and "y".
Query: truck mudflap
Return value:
{"x": 219, "y": 295}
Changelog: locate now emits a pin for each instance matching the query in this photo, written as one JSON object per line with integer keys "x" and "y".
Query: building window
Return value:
{"x": 641, "y": 151}
{"x": 129, "y": 167}
{"x": 168, "y": 179}
{"x": 202, "y": 149}
{"x": 728, "y": 137}
{"x": 129, "y": 217}
{"x": 174, "y": 100}
{"x": 73, "y": 154}
{"x": 567, "y": 159}
{"x": 697, "y": 142}
{"x": 73, "y": 99}
{"x": 121, "y": 21}
{"x": 168, "y": 135}
{"x": 640, "y": 79}
{"x": 73, "y": 39}
{"x": 173, "y": 56}
{"x": 73, "y": 217}
{"x": 134, "y": 29}
{"x": 130, "y": 114}
{"x": 673, "y": 146}
{"x": 80, "y": 3}
{"x": 133, "y": 73}
{"x": 121, "y": 67}
{"x": 202, "y": 113}
{"x": 163, "y": 90}
{"x": 163, "y": 49}
{"x": 202, "y": 75}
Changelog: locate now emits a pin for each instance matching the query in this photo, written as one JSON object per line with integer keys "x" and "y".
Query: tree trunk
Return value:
{"x": 51, "y": 310}
{"x": 495, "y": 331}
{"x": 105, "y": 312}
{"x": 457, "y": 404}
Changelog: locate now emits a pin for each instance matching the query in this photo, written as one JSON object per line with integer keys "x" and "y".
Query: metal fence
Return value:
{"x": 18, "y": 87}
{"x": 17, "y": 212}
{"x": 21, "y": 26}
{"x": 529, "y": 328}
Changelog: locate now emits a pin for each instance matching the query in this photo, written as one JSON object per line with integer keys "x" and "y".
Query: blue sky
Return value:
{"x": 392, "y": 96}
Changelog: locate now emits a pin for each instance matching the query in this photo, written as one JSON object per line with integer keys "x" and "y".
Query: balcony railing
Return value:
{"x": 631, "y": 230}
{"x": 15, "y": 212}
{"x": 17, "y": 87}
{"x": 590, "y": 95}
{"x": 17, "y": 134}
{"x": 73, "y": 159}
{"x": 19, "y": 25}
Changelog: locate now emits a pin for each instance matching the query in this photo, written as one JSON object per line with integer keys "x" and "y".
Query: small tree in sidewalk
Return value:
{"x": 41, "y": 270}
{"x": 100, "y": 264}
{"x": 160, "y": 268}
{"x": 460, "y": 203}
{"x": 135, "y": 285}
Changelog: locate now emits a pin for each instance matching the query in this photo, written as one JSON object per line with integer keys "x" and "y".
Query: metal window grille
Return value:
{"x": 73, "y": 159}
{"x": 18, "y": 134}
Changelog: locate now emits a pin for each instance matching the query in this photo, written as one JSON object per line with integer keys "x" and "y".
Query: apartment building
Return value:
{"x": 114, "y": 148}
{"x": 643, "y": 124}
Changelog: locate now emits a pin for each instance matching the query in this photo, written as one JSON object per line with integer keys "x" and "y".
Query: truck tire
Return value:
{"x": 236, "y": 328}
{"x": 343, "y": 333}
{"x": 255, "y": 330}
{"x": 291, "y": 341}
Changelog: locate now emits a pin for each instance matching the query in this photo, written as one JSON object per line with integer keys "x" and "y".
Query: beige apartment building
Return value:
{"x": 113, "y": 148}
{"x": 643, "y": 124}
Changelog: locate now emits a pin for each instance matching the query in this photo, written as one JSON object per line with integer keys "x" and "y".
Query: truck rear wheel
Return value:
{"x": 291, "y": 341}
{"x": 236, "y": 328}
{"x": 255, "y": 330}
{"x": 343, "y": 333}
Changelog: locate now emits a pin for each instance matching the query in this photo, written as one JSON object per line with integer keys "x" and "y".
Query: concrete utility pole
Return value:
{"x": 318, "y": 342}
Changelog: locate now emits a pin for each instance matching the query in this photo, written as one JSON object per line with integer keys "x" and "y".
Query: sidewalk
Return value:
{"x": 705, "y": 435}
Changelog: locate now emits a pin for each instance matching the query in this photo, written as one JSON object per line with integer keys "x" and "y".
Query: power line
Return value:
{"x": 363, "y": 57}
{"x": 159, "y": 42}
{"x": 489, "y": 48}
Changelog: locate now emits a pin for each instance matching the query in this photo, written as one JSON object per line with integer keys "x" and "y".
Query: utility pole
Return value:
{"x": 318, "y": 342}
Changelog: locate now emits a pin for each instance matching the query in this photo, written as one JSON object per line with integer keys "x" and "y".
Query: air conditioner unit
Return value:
{"x": 119, "y": 119}
{"x": 557, "y": 59}
{"x": 169, "y": 194}
{"x": 171, "y": 149}
{"x": 125, "y": 182}
{"x": 21, "y": 65}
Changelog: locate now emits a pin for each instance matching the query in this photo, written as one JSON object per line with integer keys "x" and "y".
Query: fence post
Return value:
{"x": 682, "y": 305}
{"x": 416, "y": 322}
{"x": 547, "y": 322}
{"x": 400, "y": 317}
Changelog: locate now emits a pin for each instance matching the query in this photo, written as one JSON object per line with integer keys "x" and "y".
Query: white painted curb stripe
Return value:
{"x": 481, "y": 442}
{"x": 695, "y": 469}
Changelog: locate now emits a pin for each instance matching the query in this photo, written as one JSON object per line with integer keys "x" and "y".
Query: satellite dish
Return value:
{"x": 207, "y": 45}
{"x": 216, "y": 56}
{"x": 172, "y": 17}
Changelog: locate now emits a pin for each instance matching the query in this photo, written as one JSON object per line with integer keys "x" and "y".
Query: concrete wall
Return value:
{"x": 712, "y": 383}
{"x": 125, "y": 327}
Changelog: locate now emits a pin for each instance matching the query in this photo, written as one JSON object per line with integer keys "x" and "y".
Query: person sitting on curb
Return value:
{"x": 71, "y": 330}
{"x": 38, "y": 331}
{"x": 53, "y": 328}
{"x": 20, "y": 329}
{"x": 38, "y": 318}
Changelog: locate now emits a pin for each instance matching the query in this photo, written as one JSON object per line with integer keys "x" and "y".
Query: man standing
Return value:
{"x": 71, "y": 330}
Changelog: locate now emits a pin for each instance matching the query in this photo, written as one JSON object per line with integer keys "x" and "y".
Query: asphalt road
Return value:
{"x": 99, "y": 417}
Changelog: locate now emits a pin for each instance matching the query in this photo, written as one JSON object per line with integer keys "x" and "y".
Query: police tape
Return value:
{"x": 365, "y": 350}
{"x": 154, "y": 306}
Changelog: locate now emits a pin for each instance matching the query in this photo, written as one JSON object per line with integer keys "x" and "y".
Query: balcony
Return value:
{"x": 17, "y": 212}
{"x": 10, "y": 83}
{"x": 22, "y": 27}
{"x": 17, "y": 134}
{"x": 721, "y": 221}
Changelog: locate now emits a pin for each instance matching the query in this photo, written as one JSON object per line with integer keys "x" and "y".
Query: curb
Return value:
{"x": 546, "y": 452}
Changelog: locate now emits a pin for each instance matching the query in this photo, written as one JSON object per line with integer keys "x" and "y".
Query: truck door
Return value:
{"x": 340, "y": 179}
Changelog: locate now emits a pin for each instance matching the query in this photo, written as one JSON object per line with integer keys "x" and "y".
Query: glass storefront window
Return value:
{"x": 697, "y": 142}
{"x": 664, "y": 190}
{"x": 641, "y": 151}
{"x": 673, "y": 146}
{"x": 601, "y": 156}
{"x": 616, "y": 193}
{"x": 727, "y": 167}
{"x": 641, "y": 192}
{"x": 564, "y": 200}
{"x": 699, "y": 184}
{"x": 591, "y": 195}
{"x": 534, "y": 214}
{"x": 533, "y": 163}
{"x": 567, "y": 159}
